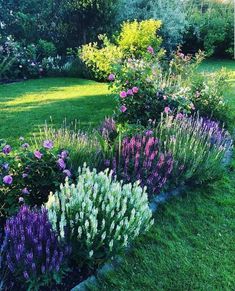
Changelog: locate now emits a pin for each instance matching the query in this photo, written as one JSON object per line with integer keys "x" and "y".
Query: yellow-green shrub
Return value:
{"x": 135, "y": 37}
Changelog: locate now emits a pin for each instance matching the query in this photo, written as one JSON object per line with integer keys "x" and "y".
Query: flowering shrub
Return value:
{"x": 98, "y": 216}
{"x": 30, "y": 175}
{"x": 145, "y": 89}
{"x": 134, "y": 40}
{"x": 32, "y": 254}
{"x": 140, "y": 159}
{"x": 22, "y": 60}
{"x": 207, "y": 95}
{"x": 198, "y": 146}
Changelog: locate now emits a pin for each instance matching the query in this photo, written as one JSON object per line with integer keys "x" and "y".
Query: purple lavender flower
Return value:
{"x": 8, "y": 180}
{"x": 48, "y": 144}
{"x": 6, "y": 149}
{"x": 111, "y": 77}
{"x": 61, "y": 164}
{"x": 38, "y": 155}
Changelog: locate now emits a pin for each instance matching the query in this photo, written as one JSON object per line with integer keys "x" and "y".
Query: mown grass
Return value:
{"x": 27, "y": 105}
{"x": 191, "y": 246}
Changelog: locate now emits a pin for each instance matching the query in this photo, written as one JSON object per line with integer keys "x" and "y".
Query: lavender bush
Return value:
{"x": 139, "y": 158}
{"x": 32, "y": 254}
{"x": 198, "y": 146}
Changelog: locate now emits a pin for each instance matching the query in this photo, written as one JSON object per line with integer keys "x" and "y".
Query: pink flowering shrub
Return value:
{"x": 146, "y": 88}
{"x": 28, "y": 175}
{"x": 140, "y": 158}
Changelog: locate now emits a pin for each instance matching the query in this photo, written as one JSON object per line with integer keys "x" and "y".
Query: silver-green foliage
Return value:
{"x": 99, "y": 216}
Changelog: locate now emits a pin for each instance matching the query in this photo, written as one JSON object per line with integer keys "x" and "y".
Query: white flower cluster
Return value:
{"x": 99, "y": 215}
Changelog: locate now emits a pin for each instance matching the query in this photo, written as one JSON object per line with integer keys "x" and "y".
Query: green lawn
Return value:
{"x": 25, "y": 106}
{"x": 191, "y": 246}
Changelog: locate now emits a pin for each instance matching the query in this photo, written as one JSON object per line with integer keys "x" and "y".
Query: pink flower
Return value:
{"x": 48, "y": 144}
{"x": 123, "y": 108}
{"x": 167, "y": 109}
{"x": 123, "y": 94}
{"x": 111, "y": 77}
{"x": 135, "y": 90}
{"x": 164, "y": 97}
{"x": 38, "y": 155}
{"x": 150, "y": 50}
{"x": 8, "y": 180}
{"x": 179, "y": 116}
{"x": 129, "y": 92}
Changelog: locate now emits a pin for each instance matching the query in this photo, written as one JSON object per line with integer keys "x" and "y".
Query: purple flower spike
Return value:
{"x": 8, "y": 180}
{"x": 111, "y": 77}
{"x": 38, "y": 155}
{"x": 48, "y": 144}
{"x": 7, "y": 149}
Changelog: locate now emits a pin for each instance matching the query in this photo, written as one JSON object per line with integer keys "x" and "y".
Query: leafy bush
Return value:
{"x": 32, "y": 254}
{"x": 207, "y": 95}
{"x": 30, "y": 175}
{"x": 139, "y": 158}
{"x": 133, "y": 40}
{"x": 146, "y": 88}
{"x": 197, "y": 145}
{"x": 135, "y": 37}
{"x": 100, "y": 60}
{"x": 211, "y": 28}
{"x": 172, "y": 15}
{"x": 98, "y": 216}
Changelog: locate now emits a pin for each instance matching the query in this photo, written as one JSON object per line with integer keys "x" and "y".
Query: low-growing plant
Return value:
{"x": 30, "y": 174}
{"x": 82, "y": 146}
{"x": 198, "y": 146}
{"x": 32, "y": 254}
{"x": 98, "y": 216}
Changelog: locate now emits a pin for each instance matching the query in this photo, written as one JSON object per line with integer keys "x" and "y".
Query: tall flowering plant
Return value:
{"x": 147, "y": 86}
{"x": 140, "y": 159}
{"x": 29, "y": 175}
{"x": 32, "y": 254}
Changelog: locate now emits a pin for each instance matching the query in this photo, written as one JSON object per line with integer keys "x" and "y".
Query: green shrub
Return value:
{"x": 211, "y": 28}
{"x": 100, "y": 60}
{"x": 133, "y": 40}
{"x": 136, "y": 36}
{"x": 98, "y": 216}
